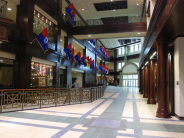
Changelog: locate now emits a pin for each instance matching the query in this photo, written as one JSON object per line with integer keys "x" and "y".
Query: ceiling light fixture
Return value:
{"x": 89, "y": 35}
{"x": 137, "y": 4}
{"x": 61, "y": 40}
{"x": 111, "y": 0}
{"x": 83, "y": 9}
{"x": 138, "y": 33}
{"x": 114, "y": 10}
{"x": 9, "y": 9}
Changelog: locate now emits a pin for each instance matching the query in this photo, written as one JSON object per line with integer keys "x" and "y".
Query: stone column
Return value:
{"x": 151, "y": 95}
{"x": 163, "y": 110}
{"x": 125, "y": 55}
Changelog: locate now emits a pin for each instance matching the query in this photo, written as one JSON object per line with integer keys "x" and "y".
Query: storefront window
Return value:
{"x": 6, "y": 73}
{"x": 41, "y": 75}
{"x": 40, "y": 23}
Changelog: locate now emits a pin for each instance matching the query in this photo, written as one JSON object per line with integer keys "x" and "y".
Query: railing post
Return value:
{"x": 41, "y": 99}
{"x": 22, "y": 100}
{"x": 81, "y": 95}
{"x": 68, "y": 89}
{"x": 1, "y": 101}
{"x": 91, "y": 94}
{"x": 56, "y": 97}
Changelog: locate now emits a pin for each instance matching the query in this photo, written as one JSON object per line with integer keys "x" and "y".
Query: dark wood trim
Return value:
{"x": 179, "y": 117}
{"x": 161, "y": 13}
{"x": 143, "y": 8}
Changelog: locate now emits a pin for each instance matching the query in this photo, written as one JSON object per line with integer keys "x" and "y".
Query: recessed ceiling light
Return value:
{"x": 89, "y": 35}
{"x": 9, "y": 9}
{"x": 111, "y": 0}
{"x": 83, "y": 9}
{"x": 61, "y": 40}
{"x": 138, "y": 33}
{"x": 137, "y": 4}
{"x": 114, "y": 10}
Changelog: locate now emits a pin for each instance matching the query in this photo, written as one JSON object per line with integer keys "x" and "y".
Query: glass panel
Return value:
{"x": 41, "y": 75}
{"x": 6, "y": 73}
{"x": 123, "y": 50}
{"x": 119, "y": 65}
{"x": 132, "y": 49}
{"x": 119, "y": 51}
{"x": 140, "y": 47}
{"x": 129, "y": 76}
{"x": 123, "y": 64}
{"x": 125, "y": 77}
{"x": 40, "y": 23}
{"x": 136, "y": 48}
{"x": 124, "y": 82}
{"x": 131, "y": 83}
{"x": 136, "y": 82}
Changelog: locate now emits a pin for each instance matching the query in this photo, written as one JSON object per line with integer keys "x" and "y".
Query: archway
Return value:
{"x": 129, "y": 75}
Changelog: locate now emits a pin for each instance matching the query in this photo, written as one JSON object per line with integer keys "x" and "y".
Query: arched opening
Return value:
{"x": 129, "y": 75}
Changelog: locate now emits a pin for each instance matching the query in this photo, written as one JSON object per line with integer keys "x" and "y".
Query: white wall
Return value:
{"x": 179, "y": 76}
{"x": 130, "y": 69}
{"x": 79, "y": 78}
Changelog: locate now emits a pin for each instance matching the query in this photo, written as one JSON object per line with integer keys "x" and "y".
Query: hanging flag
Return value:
{"x": 42, "y": 39}
{"x": 88, "y": 62}
{"x": 68, "y": 50}
{"x": 71, "y": 13}
{"x": 72, "y": 57}
{"x": 84, "y": 60}
{"x": 78, "y": 58}
{"x": 93, "y": 64}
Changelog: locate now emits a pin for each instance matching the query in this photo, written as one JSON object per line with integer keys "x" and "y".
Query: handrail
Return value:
{"x": 23, "y": 99}
{"x": 3, "y": 8}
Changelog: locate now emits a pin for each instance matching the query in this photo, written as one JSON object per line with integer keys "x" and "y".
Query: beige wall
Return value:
{"x": 110, "y": 65}
{"x": 179, "y": 76}
{"x": 79, "y": 77}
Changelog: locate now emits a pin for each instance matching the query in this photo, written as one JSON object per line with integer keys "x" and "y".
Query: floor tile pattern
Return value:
{"x": 120, "y": 113}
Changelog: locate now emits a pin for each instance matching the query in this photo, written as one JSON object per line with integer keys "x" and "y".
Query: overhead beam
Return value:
{"x": 113, "y": 28}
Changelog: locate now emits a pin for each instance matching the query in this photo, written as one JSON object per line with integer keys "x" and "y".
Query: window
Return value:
{"x": 119, "y": 51}
{"x": 132, "y": 49}
{"x": 123, "y": 50}
{"x": 123, "y": 64}
{"x": 136, "y": 48}
{"x": 140, "y": 47}
{"x": 119, "y": 65}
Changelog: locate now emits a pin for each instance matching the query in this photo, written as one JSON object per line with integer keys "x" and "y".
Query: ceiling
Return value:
{"x": 90, "y": 11}
{"x": 111, "y": 35}
{"x": 12, "y": 4}
{"x": 113, "y": 42}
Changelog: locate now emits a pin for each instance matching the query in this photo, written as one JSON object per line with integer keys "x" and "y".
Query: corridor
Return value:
{"x": 121, "y": 113}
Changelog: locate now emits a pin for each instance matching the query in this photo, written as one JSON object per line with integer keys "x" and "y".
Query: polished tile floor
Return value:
{"x": 121, "y": 113}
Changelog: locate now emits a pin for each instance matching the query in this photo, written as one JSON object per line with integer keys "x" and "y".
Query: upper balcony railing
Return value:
{"x": 3, "y": 8}
{"x": 113, "y": 20}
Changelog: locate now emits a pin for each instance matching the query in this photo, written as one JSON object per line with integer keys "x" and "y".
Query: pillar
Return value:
{"x": 125, "y": 55}
{"x": 142, "y": 81}
{"x": 151, "y": 95}
{"x": 115, "y": 63}
{"x": 68, "y": 77}
{"x": 145, "y": 94}
{"x": 163, "y": 110}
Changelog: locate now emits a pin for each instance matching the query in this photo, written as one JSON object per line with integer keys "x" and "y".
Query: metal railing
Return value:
{"x": 118, "y": 20}
{"x": 3, "y": 8}
{"x": 23, "y": 99}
